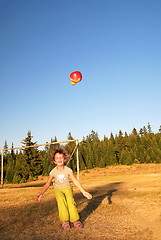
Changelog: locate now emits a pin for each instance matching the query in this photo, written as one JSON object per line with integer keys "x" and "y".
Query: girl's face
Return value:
{"x": 59, "y": 159}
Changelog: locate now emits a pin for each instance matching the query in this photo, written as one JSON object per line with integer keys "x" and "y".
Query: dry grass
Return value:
{"x": 125, "y": 206}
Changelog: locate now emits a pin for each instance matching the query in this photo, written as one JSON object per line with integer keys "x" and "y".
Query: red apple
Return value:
{"x": 76, "y": 76}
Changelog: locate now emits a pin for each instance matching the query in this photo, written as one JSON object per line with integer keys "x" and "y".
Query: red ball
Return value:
{"x": 76, "y": 76}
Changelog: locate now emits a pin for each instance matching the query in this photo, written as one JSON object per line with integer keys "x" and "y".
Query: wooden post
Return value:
{"x": 77, "y": 160}
{"x": 2, "y": 168}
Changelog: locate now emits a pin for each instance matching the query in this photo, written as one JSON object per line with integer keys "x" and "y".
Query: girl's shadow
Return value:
{"x": 95, "y": 202}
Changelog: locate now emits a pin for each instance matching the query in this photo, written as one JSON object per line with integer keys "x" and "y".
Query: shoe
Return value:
{"x": 78, "y": 225}
{"x": 66, "y": 226}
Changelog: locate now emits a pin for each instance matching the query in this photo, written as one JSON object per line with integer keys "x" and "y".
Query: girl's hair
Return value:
{"x": 60, "y": 150}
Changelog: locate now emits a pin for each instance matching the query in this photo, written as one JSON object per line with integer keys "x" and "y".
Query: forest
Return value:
{"x": 143, "y": 146}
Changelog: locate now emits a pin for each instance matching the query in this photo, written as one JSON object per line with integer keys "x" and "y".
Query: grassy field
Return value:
{"x": 126, "y": 205}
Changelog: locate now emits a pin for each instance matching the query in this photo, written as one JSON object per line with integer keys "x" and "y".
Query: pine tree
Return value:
{"x": 22, "y": 169}
{"x": 134, "y": 132}
{"x": 149, "y": 128}
{"x": 101, "y": 163}
{"x": 31, "y": 158}
{"x": 87, "y": 154}
{"x": 112, "y": 139}
{"x": 160, "y": 129}
{"x": 141, "y": 132}
{"x": 144, "y": 130}
{"x": 5, "y": 159}
{"x": 96, "y": 149}
{"x": 125, "y": 157}
{"x": 10, "y": 168}
{"x": 108, "y": 151}
{"x": 119, "y": 146}
{"x": 47, "y": 165}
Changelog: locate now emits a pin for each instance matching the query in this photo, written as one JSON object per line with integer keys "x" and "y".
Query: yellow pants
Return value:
{"x": 66, "y": 205}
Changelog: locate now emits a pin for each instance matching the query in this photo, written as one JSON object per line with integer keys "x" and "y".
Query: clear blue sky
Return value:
{"x": 116, "y": 44}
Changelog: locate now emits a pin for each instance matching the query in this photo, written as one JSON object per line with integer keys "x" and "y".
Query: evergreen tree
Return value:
{"x": 87, "y": 154}
{"x": 149, "y": 128}
{"x": 82, "y": 156}
{"x": 160, "y": 129}
{"x": 96, "y": 149}
{"x": 112, "y": 139}
{"x": 22, "y": 169}
{"x": 10, "y": 167}
{"x": 126, "y": 158}
{"x": 126, "y": 135}
{"x": 101, "y": 163}
{"x": 5, "y": 147}
{"x": 110, "y": 155}
{"x": 134, "y": 132}
{"x": 119, "y": 146}
{"x": 5, "y": 158}
{"x": 158, "y": 155}
{"x": 141, "y": 132}
{"x": 31, "y": 158}
{"x": 144, "y": 130}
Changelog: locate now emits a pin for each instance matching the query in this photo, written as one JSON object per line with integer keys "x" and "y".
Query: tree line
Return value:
{"x": 137, "y": 147}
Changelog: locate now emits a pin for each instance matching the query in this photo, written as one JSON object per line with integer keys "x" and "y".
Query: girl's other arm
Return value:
{"x": 44, "y": 189}
{"x": 79, "y": 186}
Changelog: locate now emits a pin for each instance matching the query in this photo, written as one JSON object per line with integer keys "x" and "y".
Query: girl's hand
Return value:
{"x": 87, "y": 195}
{"x": 38, "y": 197}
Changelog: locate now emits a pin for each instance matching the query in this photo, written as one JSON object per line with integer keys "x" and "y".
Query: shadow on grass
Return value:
{"x": 24, "y": 185}
{"x": 30, "y": 185}
{"x": 94, "y": 203}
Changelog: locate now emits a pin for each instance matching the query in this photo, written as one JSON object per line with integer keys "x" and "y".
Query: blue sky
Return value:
{"x": 116, "y": 44}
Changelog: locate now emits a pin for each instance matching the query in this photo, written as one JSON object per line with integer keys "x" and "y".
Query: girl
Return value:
{"x": 63, "y": 191}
